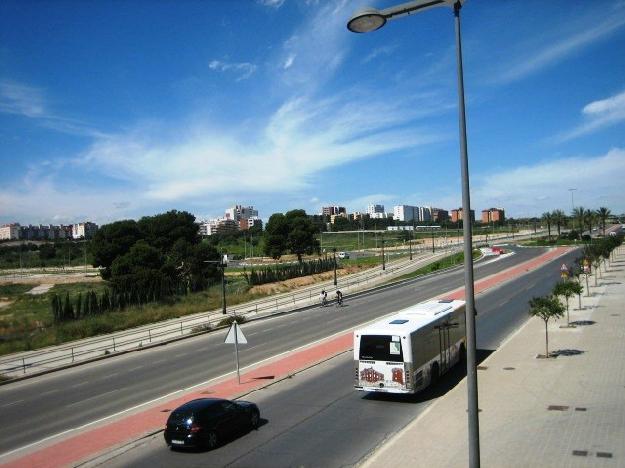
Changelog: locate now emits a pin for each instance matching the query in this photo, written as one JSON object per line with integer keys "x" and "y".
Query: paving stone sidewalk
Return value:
{"x": 567, "y": 411}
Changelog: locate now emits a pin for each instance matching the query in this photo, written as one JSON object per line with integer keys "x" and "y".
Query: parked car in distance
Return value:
{"x": 206, "y": 422}
{"x": 343, "y": 254}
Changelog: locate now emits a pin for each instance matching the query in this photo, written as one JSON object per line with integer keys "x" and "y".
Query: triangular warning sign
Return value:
{"x": 240, "y": 337}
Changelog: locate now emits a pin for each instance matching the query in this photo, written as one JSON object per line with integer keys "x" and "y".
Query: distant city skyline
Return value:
{"x": 111, "y": 113}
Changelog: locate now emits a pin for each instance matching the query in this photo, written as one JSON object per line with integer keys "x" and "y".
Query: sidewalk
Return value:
{"x": 567, "y": 411}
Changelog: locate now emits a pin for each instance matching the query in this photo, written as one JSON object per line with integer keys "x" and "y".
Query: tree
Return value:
{"x": 276, "y": 233}
{"x": 589, "y": 219}
{"x": 111, "y": 241}
{"x": 301, "y": 234}
{"x": 163, "y": 230}
{"x": 579, "y": 215}
{"x": 577, "y": 288}
{"x": 546, "y": 308}
{"x": 564, "y": 290}
{"x": 603, "y": 213}
{"x": 138, "y": 269}
{"x": 548, "y": 218}
{"x": 559, "y": 218}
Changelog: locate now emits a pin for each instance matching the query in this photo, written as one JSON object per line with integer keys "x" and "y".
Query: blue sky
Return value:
{"x": 112, "y": 110}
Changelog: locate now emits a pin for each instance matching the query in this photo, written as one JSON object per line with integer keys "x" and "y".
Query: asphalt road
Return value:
{"x": 38, "y": 408}
{"x": 317, "y": 419}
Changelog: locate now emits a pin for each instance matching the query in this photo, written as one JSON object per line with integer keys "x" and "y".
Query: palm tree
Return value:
{"x": 546, "y": 216}
{"x": 603, "y": 213}
{"x": 559, "y": 218}
{"x": 578, "y": 215}
{"x": 546, "y": 308}
{"x": 589, "y": 219}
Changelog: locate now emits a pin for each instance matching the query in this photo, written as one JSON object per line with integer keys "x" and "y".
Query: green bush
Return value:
{"x": 228, "y": 320}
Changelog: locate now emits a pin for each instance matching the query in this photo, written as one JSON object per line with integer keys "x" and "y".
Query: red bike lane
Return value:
{"x": 92, "y": 442}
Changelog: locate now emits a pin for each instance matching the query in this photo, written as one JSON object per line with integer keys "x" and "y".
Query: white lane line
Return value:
{"x": 180, "y": 355}
{"x": 49, "y": 392}
{"x": 135, "y": 368}
{"x": 95, "y": 396}
{"x": 11, "y": 404}
{"x": 79, "y": 384}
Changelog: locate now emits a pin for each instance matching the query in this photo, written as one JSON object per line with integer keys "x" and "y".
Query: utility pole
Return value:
{"x": 334, "y": 254}
{"x": 383, "y": 257}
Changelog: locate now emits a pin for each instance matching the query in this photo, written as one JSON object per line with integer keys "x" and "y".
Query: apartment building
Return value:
{"x": 333, "y": 210}
{"x": 84, "y": 230}
{"x": 456, "y": 215}
{"x": 493, "y": 215}
{"x": 10, "y": 231}
{"x": 439, "y": 215}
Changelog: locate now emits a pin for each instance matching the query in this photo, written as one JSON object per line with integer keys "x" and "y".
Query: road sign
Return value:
{"x": 235, "y": 335}
{"x": 564, "y": 268}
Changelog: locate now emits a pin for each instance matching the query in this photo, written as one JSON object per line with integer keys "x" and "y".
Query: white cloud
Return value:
{"x": 565, "y": 45}
{"x": 301, "y": 139}
{"x": 378, "y": 51}
{"x": 289, "y": 61}
{"x": 28, "y": 101}
{"x": 243, "y": 69}
{"x": 16, "y": 98}
{"x": 320, "y": 44}
{"x": 598, "y": 114}
{"x": 533, "y": 189}
{"x": 271, "y": 3}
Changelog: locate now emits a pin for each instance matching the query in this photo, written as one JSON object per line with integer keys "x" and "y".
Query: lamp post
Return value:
{"x": 572, "y": 190}
{"x": 223, "y": 263}
{"x": 410, "y": 248}
{"x": 334, "y": 255}
{"x": 369, "y": 20}
{"x": 383, "y": 257}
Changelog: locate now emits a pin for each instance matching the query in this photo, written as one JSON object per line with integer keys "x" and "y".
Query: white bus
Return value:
{"x": 408, "y": 351}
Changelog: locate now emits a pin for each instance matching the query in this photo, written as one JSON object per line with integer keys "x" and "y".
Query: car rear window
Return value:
{"x": 180, "y": 417}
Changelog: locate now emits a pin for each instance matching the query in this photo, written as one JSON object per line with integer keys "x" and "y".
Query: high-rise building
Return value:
{"x": 10, "y": 231}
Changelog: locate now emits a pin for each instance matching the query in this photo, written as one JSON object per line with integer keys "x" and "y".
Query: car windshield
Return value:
{"x": 381, "y": 348}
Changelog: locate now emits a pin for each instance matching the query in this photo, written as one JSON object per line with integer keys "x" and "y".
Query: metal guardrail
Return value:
{"x": 137, "y": 338}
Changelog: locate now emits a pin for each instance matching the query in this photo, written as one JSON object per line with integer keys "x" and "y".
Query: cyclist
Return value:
{"x": 323, "y": 298}
{"x": 339, "y": 298}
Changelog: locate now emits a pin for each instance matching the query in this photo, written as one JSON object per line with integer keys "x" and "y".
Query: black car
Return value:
{"x": 204, "y": 422}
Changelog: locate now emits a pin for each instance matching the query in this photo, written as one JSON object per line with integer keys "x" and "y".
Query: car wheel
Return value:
{"x": 254, "y": 419}
{"x": 211, "y": 440}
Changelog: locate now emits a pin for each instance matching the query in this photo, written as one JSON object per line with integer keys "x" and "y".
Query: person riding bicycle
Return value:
{"x": 339, "y": 298}
{"x": 323, "y": 298}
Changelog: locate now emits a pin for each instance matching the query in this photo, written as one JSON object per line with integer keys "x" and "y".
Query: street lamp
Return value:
{"x": 223, "y": 263}
{"x": 572, "y": 204}
{"x": 369, "y": 20}
{"x": 383, "y": 257}
{"x": 334, "y": 255}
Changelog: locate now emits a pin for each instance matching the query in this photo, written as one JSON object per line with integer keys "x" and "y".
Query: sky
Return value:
{"x": 114, "y": 110}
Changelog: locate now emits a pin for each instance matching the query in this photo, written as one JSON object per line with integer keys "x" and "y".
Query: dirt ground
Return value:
{"x": 42, "y": 278}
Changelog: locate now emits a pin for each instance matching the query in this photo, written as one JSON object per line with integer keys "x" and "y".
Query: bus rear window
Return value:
{"x": 381, "y": 348}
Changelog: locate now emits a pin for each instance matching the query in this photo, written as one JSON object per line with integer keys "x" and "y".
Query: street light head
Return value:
{"x": 366, "y": 20}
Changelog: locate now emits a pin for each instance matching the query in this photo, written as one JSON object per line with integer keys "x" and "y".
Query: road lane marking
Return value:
{"x": 11, "y": 404}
